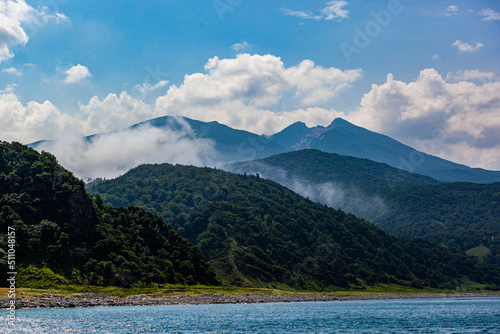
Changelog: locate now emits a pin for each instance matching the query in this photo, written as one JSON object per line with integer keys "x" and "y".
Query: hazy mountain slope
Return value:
{"x": 462, "y": 215}
{"x": 355, "y": 185}
{"x": 59, "y": 226}
{"x": 230, "y": 144}
{"x": 344, "y": 138}
{"x": 256, "y": 232}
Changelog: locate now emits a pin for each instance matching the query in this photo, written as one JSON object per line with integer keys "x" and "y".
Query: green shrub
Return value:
{"x": 36, "y": 278}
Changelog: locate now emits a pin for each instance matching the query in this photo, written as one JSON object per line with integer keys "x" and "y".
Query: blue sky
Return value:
{"x": 92, "y": 66}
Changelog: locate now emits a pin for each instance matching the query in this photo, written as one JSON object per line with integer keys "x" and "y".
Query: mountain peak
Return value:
{"x": 340, "y": 123}
{"x": 296, "y": 126}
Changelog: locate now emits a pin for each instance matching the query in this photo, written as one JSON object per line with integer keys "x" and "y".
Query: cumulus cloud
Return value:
{"x": 113, "y": 154}
{"x": 465, "y": 47}
{"x": 107, "y": 155}
{"x": 245, "y": 92}
{"x": 76, "y": 74}
{"x": 333, "y": 11}
{"x": 15, "y": 17}
{"x": 437, "y": 116}
{"x": 489, "y": 15}
{"x": 114, "y": 112}
{"x": 238, "y": 91}
{"x": 306, "y": 15}
{"x": 12, "y": 70}
{"x": 36, "y": 121}
{"x": 475, "y": 76}
{"x": 30, "y": 122}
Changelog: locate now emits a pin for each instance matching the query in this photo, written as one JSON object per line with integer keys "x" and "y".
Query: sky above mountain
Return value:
{"x": 423, "y": 72}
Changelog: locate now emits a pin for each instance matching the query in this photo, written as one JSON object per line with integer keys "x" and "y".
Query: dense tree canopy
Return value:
{"x": 256, "y": 232}
{"x": 460, "y": 215}
{"x": 59, "y": 226}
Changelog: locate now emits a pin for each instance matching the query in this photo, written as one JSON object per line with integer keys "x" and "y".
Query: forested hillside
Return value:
{"x": 356, "y": 185}
{"x": 461, "y": 215}
{"x": 60, "y": 227}
{"x": 256, "y": 232}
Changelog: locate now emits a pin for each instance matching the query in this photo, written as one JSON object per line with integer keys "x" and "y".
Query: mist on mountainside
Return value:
{"x": 113, "y": 154}
{"x": 333, "y": 194}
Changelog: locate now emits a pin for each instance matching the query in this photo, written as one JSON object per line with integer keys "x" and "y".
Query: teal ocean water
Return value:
{"x": 471, "y": 315}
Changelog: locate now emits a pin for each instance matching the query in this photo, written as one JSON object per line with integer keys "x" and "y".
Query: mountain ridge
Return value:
{"x": 340, "y": 137}
{"x": 345, "y": 138}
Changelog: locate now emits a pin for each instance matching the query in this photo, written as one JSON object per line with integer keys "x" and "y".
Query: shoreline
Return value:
{"x": 101, "y": 300}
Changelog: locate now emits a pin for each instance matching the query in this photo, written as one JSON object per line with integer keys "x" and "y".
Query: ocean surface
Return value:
{"x": 461, "y": 315}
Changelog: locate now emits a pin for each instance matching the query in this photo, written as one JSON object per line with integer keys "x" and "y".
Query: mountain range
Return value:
{"x": 366, "y": 176}
{"x": 253, "y": 232}
{"x": 339, "y": 137}
{"x": 344, "y": 138}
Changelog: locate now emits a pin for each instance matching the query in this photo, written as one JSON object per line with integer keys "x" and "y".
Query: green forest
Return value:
{"x": 59, "y": 227}
{"x": 461, "y": 215}
{"x": 256, "y": 232}
{"x": 165, "y": 224}
{"x": 465, "y": 216}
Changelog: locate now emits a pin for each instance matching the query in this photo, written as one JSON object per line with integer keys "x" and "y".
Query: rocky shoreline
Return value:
{"x": 93, "y": 300}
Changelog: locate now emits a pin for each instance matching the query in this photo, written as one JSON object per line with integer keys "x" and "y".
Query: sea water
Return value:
{"x": 460, "y": 315}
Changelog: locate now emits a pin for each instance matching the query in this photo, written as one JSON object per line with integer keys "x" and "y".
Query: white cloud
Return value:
{"x": 438, "y": 117}
{"x": 108, "y": 155}
{"x": 465, "y": 47}
{"x": 12, "y": 70}
{"x": 489, "y": 15}
{"x": 333, "y": 11}
{"x": 475, "y": 76}
{"x": 308, "y": 15}
{"x": 436, "y": 57}
{"x": 37, "y": 121}
{"x": 238, "y": 47}
{"x": 114, "y": 113}
{"x": 237, "y": 92}
{"x": 15, "y": 17}
{"x": 113, "y": 154}
{"x": 452, "y": 10}
{"x": 146, "y": 88}
{"x": 30, "y": 122}
{"x": 77, "y": 73}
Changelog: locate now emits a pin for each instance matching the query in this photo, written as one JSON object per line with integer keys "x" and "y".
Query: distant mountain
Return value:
{"x": 231, "y": 145}
{"x": 461, "y": 215}
{"x": 339, "y": 137}
{"x": 256, "y": 232}
{"x": 344, "y": 138}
